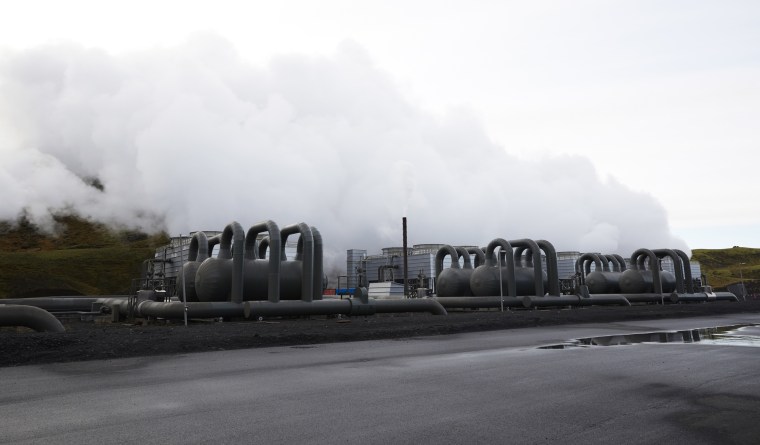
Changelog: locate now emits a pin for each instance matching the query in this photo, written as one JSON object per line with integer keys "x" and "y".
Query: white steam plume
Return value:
{"x": 193, "y": 137}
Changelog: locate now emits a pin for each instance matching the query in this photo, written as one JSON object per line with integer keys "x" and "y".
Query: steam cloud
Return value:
{"x": 192, "y": 137}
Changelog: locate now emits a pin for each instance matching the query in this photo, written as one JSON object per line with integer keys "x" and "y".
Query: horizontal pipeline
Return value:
{"x": 29, "y": 316}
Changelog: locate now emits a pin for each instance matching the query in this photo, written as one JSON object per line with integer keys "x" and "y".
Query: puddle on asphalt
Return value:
{"x": 735, "y": 335}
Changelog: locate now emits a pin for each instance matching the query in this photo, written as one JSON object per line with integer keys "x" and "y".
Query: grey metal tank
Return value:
{"x": 484, "y": 280}
{"x": 216, "y": 279}
{"x": 645, "y": 275}
{"x": 199, "y": 251}
{"x": 262, "y": 277}
{"x": 603, "y": 280}
{"x": 454, "y": 281}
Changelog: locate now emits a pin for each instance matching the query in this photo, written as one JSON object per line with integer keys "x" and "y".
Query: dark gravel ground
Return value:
{"x": 98, "y": 341}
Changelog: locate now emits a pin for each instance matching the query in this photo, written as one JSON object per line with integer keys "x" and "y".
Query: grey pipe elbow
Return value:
{"x": 29, "y": 316}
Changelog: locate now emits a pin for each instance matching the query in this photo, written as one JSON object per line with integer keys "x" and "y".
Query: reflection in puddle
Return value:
{"x": 736, "y": 335}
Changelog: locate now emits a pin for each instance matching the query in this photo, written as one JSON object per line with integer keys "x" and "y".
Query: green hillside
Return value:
{"x": 726, "y": 266}
{"x": 80, "y": 258}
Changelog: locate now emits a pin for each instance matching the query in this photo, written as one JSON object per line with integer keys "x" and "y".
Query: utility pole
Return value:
{"x": 406, "y": 262}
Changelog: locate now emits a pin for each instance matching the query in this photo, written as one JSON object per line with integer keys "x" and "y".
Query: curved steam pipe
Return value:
{"x": 605, "y": 262}
{"x": 198, "y": 247}
{"x": 307, "y": 271}
{"x": 480, "y": 256}
{"x": 621, "y": 262}
{"x": 232, "y": 245}
{"x": 686, "y": 269}
{"x": 505, "y": 246}
{"x": 213, "y": 241}
{"x": 552, "y": 268}
{"x": 29, "y": 316}
{"x": 519, "y": 258}
{"x": 583, "y": 265}
{"x": 615, "y": 263}
{"x": 263, "y": 246}
{"x": 319, "y": 265}
{"x": 463, "y": 253}
{"x": 638, "y": 258}
{"x": 269, "y": 226}
{"x": 441, "y": 254}
{"x": 677, "y": 265}
{"x": 538, "y": 275}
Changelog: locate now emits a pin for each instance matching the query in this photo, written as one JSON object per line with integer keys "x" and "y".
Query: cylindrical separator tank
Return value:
{"x": 454, "y": 281}
{"x": 296, "y": 279}
{"x": 262, "y": 276}
{"x": 603, "y": 280}
{"x": 638, "y": 279}
{"x": 485, "y": 282}
{"x": 221, "y": 278}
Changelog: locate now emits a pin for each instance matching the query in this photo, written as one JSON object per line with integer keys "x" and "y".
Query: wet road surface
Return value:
{"x": 489, "y": 387}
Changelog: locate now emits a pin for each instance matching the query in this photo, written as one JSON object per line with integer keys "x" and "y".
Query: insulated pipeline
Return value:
{"x": 538, "y": 275}
{"x": 29, "y": 316}
{"x": 274, "y": 240}
{"x": 307, "y": 274}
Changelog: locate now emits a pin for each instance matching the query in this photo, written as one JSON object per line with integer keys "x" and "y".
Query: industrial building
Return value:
{"x": 387, "y": 267}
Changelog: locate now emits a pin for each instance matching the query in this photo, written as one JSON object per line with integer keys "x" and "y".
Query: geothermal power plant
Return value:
{"x": 273, "y": 271}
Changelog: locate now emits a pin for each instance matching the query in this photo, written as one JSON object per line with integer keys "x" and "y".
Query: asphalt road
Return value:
{"x": 487, "y": 387}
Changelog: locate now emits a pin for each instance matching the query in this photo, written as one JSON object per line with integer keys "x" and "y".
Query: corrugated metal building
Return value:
{"x": 389, "y": 265}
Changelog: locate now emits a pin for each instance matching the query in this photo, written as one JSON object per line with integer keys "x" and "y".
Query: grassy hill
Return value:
{"x": 81, "y": 258}
{"x": 726, "y": 266}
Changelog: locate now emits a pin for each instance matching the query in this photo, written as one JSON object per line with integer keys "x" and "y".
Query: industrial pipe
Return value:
{"x": 538, "y": 274}
{"x": 409, "y": 305}
{"x": 484, "y": 277}
{"x": 605, "y": 300}
{"x": 583, "y": 266}
{"x": 307, "y": 265}
{"x": 677, "y": 266}
{"x": 346, "y": 306}
{"x": 480, "y": 256}
{"x": 687, "y": 270}
{"x": 487, "y": 302}
{"x": 176, "y": 309}
{"x": 550, "y": 300}
{"x": 63, "y": 303}
{"x": 319, "y": 265}
{"x": 29, "y": 316}
{"x": 552, "y": 268}
{"x": 275, "y": 241}
{"x": 463, "y": 253}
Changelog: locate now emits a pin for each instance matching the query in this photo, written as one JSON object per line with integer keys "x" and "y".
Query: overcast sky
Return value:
{"x": 659, "y": 97}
